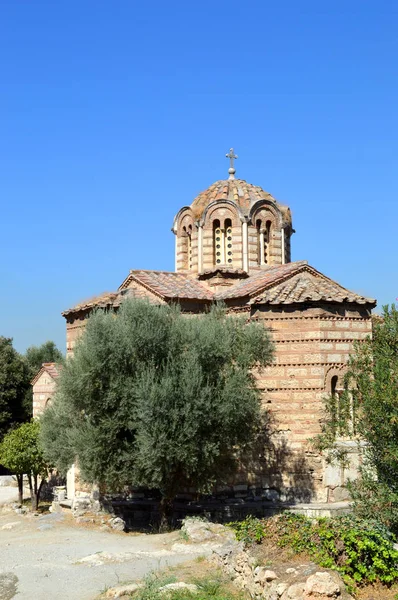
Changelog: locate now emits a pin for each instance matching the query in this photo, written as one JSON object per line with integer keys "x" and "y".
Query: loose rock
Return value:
{"x": 321, "y": 585}
{"x": 179, "y": 585}
{"x": 117, "y": 524}
{"x": 123, "y": 590}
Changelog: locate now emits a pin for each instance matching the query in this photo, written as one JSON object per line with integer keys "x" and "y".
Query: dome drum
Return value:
{"x": 232, "y": 225}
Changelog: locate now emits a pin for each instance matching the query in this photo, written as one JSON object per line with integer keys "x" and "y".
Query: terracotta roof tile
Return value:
{"x": 53, "y": 369}
{"x": 102, "y": 300}
{"x": 291, "y": 283}
{"x": 306, "y": 286}
{"x": 170, "y": 285}
{"x": 239, "y": 191}
{"x": 282, "y": 284}
{"x": 260, "y": 280}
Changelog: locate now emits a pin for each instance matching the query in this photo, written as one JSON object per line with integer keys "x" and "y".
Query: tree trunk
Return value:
{"x": 166, "y": 512}
{"x": 33, "y": 490}
{"x": 20, "y": 488}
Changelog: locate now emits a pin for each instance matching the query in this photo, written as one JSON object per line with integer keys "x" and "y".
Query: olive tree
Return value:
{"x": 158, "y": 399}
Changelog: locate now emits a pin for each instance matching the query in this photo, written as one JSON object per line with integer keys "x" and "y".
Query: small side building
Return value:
{"x": 44, "y": 386}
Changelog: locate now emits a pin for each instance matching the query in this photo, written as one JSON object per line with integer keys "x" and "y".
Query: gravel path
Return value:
{"x": 40, "y": 557}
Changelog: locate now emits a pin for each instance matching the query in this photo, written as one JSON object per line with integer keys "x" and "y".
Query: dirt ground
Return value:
{"x": 50, "y": 555}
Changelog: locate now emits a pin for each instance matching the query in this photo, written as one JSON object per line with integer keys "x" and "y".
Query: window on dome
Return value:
{"x": 218, "y": 243}
{"x": 228, "y": 240}
{"x": 263, "y": 242}
{"x": 188, "y": 246}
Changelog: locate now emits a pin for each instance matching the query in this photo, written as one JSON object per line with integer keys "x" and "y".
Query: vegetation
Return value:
{"x": 14, "y": 383}
{"x": 37, "y": 355}
{"x": 22, "y": 454}
{"x": 212, "y": 587}
{"x": 158, "y": 399}
{"x": 16, "y": 373}
{"x": 361, "y": 550}
{"x": 368, "y": 411}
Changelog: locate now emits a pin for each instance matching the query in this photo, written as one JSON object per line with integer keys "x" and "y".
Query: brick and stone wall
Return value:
{"x": 43, "y": 390}
{"x": 312, "y": 344}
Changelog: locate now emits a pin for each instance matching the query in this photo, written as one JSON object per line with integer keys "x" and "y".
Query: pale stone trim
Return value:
{"x": 245, "y": 263}
{"x": 200, "y": 247}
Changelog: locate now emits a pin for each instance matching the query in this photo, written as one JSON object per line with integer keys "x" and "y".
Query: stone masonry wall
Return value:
{"x": 311, "y": 345}
{"x": 43, "y": 391}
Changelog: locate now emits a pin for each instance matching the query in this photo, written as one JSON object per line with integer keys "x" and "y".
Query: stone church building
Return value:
{"x": 233, "y": 244}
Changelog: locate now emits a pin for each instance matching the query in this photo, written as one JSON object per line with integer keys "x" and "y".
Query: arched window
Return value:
{"x": 188, "y": 246}
{"x": 228, "y": 241}
{"x": 218, "y": 243}
{"x": 333, "y": 385}
{"x": 263, "y": 242}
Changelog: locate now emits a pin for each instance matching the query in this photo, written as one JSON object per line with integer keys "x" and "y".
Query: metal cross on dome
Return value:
{"x": 231, "y": 155}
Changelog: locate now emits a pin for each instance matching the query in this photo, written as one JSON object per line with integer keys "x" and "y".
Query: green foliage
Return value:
{"x": 158, "y": 399}
{"x": 209, "y": 588}
{"x": 21, "y": 451}
{"x": 14, "y": 383}
{"x": 372, "y": 380}
{"x": 361, "y": 550}
{"x": 37, "y": 355}
{"x": 249, "y": 531}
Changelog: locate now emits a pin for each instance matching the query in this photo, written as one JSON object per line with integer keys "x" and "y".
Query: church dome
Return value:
{"x": 244, "y": 195}
{"x": 232, "y": 225}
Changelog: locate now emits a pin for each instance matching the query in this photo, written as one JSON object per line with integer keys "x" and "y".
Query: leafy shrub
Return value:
{"x": 250, "y": 531}
{"x": 361, "y": 550}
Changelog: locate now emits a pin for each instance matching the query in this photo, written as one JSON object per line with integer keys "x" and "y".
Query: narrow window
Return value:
{"x": 228, "y": 240}
{"x": 218, "y": 243}
{"x": 267, "y": 243}
{"x": 189, "y": 246}
{"x": 333, "y": 385}
{"x": 260, "y": 242}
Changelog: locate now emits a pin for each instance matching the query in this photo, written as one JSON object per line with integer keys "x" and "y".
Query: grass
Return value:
{"x": 212, "y": 586}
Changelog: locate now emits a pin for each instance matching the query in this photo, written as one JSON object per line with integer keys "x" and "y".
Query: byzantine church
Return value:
{"x": 233, "y": 244}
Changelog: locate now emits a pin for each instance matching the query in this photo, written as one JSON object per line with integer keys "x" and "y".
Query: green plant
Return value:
{"x": 155, "y": 399}
{"x": 250, "y": 530}
{"x": 361, "y": 550}
{"x": 208, "y": 588}
{"x": 368, "y": 411}
{"x": 21, "y": 452}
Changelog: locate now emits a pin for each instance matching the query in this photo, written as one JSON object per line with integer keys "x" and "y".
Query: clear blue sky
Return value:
{"x": 114, "y": 114}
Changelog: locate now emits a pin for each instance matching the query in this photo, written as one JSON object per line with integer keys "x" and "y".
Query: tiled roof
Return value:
{"x": 170, "y": 285}
{"x": 51, "y": 368}
{"x": 305, "y": 287}
{"x": 103, "y": 301}
{"x": 282, "y": 284}
{"x": 236, "y": 190}
{"x": 291, "y": 283}
{"x": 261, "y": 279}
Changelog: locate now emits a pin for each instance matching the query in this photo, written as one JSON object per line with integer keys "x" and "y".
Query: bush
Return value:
{"x": 361, "y": 550}
{"x": 249, "y": 531}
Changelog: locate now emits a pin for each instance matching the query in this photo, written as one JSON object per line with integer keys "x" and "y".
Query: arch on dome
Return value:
{"x": 185, "y": 231}
{"x": 266, "y": 223}
{"x": 185, "y": 210}
{"x": 235, "y": 214}
{"x": 269, "y": 207}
